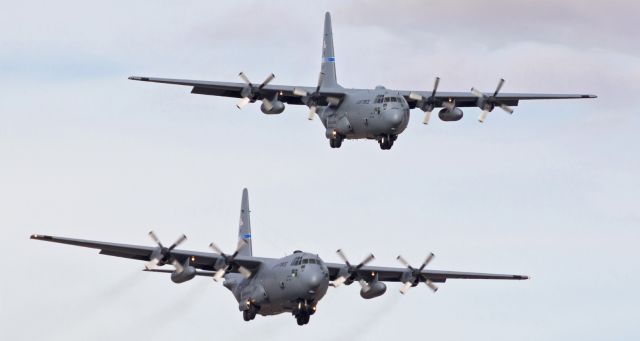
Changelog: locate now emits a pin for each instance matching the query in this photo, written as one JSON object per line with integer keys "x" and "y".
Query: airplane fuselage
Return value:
{"x": 366, "y": 114}
{"x": 285, "y": 285}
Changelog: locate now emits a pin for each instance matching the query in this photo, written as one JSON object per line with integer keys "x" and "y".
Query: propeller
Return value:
{"x": 416, "y": 274}
{"x": 426, "y": 104}
{"x": 311, "y": 100}
{"x": 250, "y": 91}
{"x": 352, "y": 271}
{"x": 161, "y": 253}
{"x": 487, "y": 103}
{"x": 226, "y": 260}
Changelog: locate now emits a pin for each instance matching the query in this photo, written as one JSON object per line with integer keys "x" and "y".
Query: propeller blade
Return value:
{"x": 427, "y": 116}
{"x": 435, "y": 87}
{"x": 267, "y": 81}
{"x": 339, "y": 281}
{"x": 241, "y": 244}
{"x": 180, "y": 240}
{"x": 431, "y": 285}
{"x": 152, "y": 264}
{"x": 320, "y": 80}
{"x": 178, "y": 266}
{"x": 506, "y": 108}
{"x": 244, "y": 271}
{"x": 483, "y": 116}
{"x": 405, "y": 287}
{"x": 403, "y": 261}
{"x": 427, "y": 261}
{"x": 245, "y": 78}
{"x": 415, "y": 96}
{"x": 312, "y": 113}
{"x": 155, "y": 238}
{"x": 343, "y": 257}
{"x": 215, "y": 248}
{"x": 369, "y": 258}
{"x": 500, "y": 84}
{"x": 365, "y": 286}
{"x": 244, "y": 101}
{"x": 219, "y": 274}
{"x": 267, "y": 104}
{"x": 299, "y": 92}
{"x": 477, "y": 93}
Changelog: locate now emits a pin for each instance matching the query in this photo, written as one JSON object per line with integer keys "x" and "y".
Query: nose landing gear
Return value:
{"x": 336, "y": 142}
{"x": 386, "y": 141}
{"x": 251, "y": 312}
{"x": 303, "y": 312}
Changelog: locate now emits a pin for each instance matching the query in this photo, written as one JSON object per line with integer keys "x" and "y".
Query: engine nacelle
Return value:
{"x": 376, "y": 288}
{"x": 447, "y": 115}
{"x": 276, "y": 107}
{"x": 187, "y": 273}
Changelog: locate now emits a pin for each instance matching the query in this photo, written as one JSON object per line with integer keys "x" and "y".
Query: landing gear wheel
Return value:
{"x": 336, "y": 142}
{"x": 386, "y": 141}
{"x": 302, "y": 319}
{"x": 250, "y": 313}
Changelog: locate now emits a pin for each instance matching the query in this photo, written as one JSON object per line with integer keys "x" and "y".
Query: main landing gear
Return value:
{"x": 250, "y": 313}
{"x": 336, "y": 142}
{"x": 386, "y": 141}
{"x": 303, "y": 312}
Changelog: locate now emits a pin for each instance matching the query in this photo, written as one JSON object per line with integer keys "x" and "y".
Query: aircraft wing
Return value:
{"x": 467, "y": 99}
{"x": 231, "y": 89}
{"x": 390, "y": 274}
{"x": 199, "y": 260}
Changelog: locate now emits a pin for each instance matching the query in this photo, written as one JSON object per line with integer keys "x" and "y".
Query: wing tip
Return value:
{"x": 521, "y": 277}
{"x": 589, "y": 96}
{"x": 137, "y": 78}
{"x": 40, "y": 237}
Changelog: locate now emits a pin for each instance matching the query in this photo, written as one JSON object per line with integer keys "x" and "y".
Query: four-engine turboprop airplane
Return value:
{"x": 380, "y": 114}
{"x": 269, "y": 286}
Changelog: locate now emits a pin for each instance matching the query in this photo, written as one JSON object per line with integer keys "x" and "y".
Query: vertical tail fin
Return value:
{"x": 328, "y": 66}
{"x": 244, "y": 231}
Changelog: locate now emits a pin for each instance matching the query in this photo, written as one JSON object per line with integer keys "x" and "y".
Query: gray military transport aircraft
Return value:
{"x": 378, "y": 114}
{"x": 270, "y": 286}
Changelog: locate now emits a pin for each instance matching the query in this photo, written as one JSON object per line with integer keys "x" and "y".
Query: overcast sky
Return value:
{"x": 551, "y": 192}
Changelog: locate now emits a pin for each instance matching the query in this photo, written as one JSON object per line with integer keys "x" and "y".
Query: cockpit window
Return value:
{"x": 296, "y": 261}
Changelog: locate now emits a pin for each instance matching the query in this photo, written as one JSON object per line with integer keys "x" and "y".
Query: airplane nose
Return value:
{"x": 394, "y": 117}
{"x": 314, "y": 281}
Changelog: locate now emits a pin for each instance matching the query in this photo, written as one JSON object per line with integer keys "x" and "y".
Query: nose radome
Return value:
{"x": 394, "y": 117}
{"x": 314, "y": 280}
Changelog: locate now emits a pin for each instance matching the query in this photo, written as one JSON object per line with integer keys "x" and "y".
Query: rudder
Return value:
{"x": 328, "y": 66}
{"x": 244, "y": 230}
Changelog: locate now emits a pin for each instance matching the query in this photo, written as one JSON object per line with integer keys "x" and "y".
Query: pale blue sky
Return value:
{"x": 551, "y": 191}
